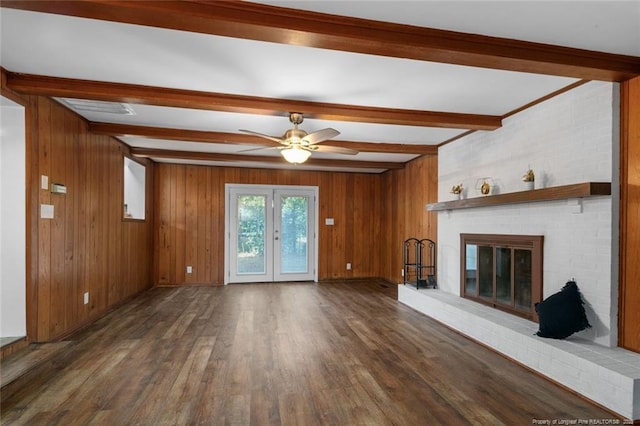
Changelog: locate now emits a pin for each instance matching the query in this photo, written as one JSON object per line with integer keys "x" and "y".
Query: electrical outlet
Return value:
{"x": 86, "y": 298}
{"x": 348, "y": 266}
{"x": 189, "y": 269}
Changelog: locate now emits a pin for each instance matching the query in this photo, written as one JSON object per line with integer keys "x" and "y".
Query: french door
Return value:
{"x": 270, "y": 233}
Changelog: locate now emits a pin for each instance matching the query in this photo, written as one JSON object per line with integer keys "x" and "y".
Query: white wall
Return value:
{"x": 134, "y": 188}
{"x": 568, "y": 139}
{"x": 12, "y": 220}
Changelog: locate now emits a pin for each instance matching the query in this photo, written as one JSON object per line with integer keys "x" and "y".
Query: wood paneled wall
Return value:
{"x": 408, "y": 191}
{"x": 87, "y": 247}
{"x": 190, "y": 210}
{"x": 373, "y": 214}
{"x": 629, "y": 315}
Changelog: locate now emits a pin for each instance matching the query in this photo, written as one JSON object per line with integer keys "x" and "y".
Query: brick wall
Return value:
{"x": 570, "y": 138}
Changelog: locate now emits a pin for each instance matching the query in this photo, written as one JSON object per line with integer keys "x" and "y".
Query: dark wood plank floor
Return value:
{"x": 295, "y": 354}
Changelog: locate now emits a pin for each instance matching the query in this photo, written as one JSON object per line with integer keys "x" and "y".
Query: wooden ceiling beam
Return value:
{"x": 178, "y": 98}
{"x": 210, "y": 156}
{"x": 383, "y": 147}
{"x": 243, "y": 139}
{"x": 186, "y": 135}
{"x": 298, "y": 27}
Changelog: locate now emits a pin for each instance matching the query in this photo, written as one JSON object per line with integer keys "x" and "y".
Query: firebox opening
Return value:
{"x": 502, "y": 271}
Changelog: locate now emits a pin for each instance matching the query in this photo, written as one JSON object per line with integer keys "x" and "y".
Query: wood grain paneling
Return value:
{"x": 32, "y": 211}
{"x": 87, "y": 247}
{"x": 408, "y": 191}
{"x": 629, "y": 315}
{"x": 373, "y": 214}
{"x": 190, "y": 220}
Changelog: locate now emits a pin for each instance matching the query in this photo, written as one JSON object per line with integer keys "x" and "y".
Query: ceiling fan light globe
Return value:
{"x": 295, "y": 155}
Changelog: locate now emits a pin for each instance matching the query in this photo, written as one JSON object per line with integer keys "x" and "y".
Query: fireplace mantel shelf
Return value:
{"x": 565, "y": 192}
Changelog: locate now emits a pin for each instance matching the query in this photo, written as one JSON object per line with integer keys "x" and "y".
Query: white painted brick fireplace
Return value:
{"x": 571, "y": 138}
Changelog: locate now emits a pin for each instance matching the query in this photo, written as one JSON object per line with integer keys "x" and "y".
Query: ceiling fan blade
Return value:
{"x": 262, "y": 135}
{"x": 332, "y": 149}
{"x": 264, "y": 148}
{"x": 321, "y": 135}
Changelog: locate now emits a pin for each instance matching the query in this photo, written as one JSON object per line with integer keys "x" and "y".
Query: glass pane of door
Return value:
{"x": 294, "y": 256}
{"x": 271, "y": 234}
{"x": 293, "y": 240}
{"x": 250, "y": 233}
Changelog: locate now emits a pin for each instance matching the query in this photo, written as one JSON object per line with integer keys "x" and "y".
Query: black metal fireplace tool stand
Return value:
{"x": 419, "y": 267}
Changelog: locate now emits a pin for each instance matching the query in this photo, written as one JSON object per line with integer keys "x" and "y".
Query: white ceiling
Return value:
{"x": 87, "y": 49}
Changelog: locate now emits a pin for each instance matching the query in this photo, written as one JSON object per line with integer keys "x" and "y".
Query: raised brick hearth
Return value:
{"x": 607, "y": 376}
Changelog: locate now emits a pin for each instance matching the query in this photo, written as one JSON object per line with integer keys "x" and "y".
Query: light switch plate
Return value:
{"x": 44, "y": 182}
{"x": 46, "y": 211}
{"x": 328, "y": 221}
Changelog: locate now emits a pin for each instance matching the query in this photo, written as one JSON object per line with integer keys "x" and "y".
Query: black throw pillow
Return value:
{"x": 562, "y": 314}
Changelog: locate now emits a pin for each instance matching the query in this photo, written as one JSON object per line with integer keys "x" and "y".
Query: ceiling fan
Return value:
{"x": 298, "y": 144}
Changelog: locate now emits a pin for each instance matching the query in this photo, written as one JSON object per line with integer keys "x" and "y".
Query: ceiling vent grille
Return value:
{"x": 84, "y": 105}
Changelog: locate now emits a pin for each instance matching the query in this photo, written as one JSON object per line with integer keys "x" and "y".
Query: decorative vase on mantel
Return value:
{"x": 457, "y": 191}
{"x": 485, "y": 188}
{"x": 485, "y": 185}
{"x": 529, "y": 180}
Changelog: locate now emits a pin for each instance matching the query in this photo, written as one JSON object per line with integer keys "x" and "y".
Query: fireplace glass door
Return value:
{"x": 501, "y": 271}
{"x": 522, "y": 278}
